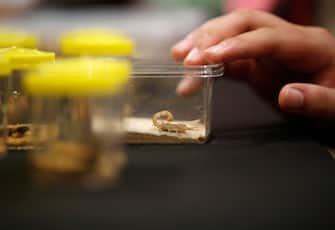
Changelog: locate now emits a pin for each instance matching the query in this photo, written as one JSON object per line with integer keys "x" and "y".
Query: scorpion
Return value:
{"x": 167, "y": 125}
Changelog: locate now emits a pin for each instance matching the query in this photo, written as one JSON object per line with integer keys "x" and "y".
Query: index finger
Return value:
{"x": 221, "y": 28}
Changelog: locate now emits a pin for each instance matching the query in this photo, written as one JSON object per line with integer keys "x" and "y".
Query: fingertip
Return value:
{"x": 195, "y": 62}
{"x": 195, "y": 57}
{"x": 282, "y": 97}
{"x": 215, "y": 54}
{"x": 181, "y": 49}
{"x": 291, "y": 98}
{"x": 211, "y": 57}
{"x": 189, "y": 86}
{"x": 314, "y": 100}
{"x": 175, "y": 54}
{"x": 180, "y": 90}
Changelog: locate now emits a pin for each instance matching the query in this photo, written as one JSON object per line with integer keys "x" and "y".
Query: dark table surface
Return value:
{"x": 258, "y": 172}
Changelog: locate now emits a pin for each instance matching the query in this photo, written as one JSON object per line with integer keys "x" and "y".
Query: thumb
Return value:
{"x": 309, "y": 100}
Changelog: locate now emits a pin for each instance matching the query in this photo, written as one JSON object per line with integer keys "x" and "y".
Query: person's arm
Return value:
{"x": 10, "y": 8}
{"x": 297, "y": 11}
{"x": 291, "y": 64}
{"x": 265, "y": 5}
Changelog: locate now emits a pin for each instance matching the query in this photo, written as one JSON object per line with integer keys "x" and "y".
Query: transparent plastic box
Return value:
{"x": 159, "y": 115}
{"x": 77, "y": 121}
{"x": 4, "y": 90}
{"x": 18, "y": 104}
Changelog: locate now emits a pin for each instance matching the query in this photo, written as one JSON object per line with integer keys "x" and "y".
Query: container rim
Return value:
{"x": 153, "y": 68}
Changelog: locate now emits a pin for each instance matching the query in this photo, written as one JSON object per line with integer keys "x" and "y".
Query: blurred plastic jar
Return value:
{"x": 97, "y": 42}
{"x": 100, "y": 43}
{"x": 18, "y": 104}
{"x": 77, "y": 112}
{"x": 17, "y": 38}
{"x": 4, "y": 84}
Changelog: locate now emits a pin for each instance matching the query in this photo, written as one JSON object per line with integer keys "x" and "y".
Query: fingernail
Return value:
{"x": 193, "y": 55}
{"x": 295, "y": 98}
{"x": 183, "y": 45}
{"x": 217, "y": 48}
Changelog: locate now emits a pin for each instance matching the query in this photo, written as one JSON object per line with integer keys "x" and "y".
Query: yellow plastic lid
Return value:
{"x": 26, "y": 59}
{"x": 4, "y": 67}
{"x": 97, "y": 42}
{"x": 78, "y": 77}
{"x": 12, "y": 37}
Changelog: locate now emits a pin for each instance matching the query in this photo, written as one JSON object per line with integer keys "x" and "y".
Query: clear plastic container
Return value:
{"x": 4, "y": 84}
{"x": 159, "y": 115}
{"x": 10, "y": 37}
{"x": 77, "y": 113}
{"x": 18, "y": 104}
{"x": 97, "y": 42}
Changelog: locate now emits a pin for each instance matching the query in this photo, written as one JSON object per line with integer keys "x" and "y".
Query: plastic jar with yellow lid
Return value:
{"x": 77, "y": 116}
{"x": 98, "y": 43}
{"x": 4, "y": 84}
{"x": 18, "y": 104}
{"x": 17, "y": 38}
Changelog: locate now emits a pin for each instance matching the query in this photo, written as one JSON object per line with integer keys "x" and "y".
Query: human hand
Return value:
{"x": 11, "y": 8}
{"x": 292, "y": 65}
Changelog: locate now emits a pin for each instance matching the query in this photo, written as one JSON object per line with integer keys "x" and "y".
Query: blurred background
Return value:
{"x": 154, "y": 24}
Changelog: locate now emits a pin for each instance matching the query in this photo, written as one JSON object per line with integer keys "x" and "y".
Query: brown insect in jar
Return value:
{"x": 167, "y": 125}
